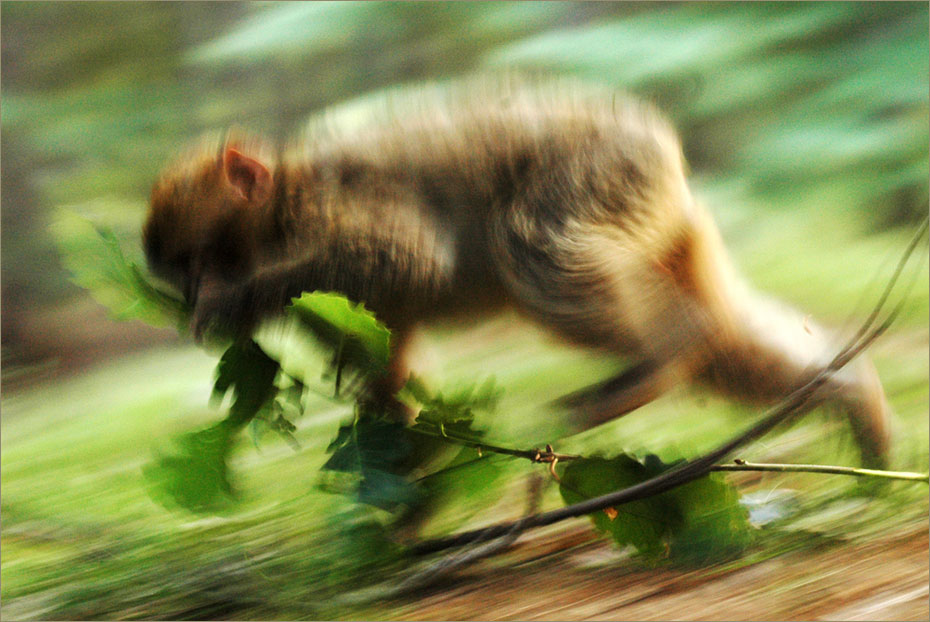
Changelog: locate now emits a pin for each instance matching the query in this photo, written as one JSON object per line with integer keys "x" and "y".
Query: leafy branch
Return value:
{"x": 551, "y": 457}
{"x": 689, "y": 471}
{"x": 381, "y": 461}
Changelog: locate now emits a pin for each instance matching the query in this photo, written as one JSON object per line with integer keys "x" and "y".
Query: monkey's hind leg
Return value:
{"x": 601, "y": 288}
{"x": 622, "y": 394}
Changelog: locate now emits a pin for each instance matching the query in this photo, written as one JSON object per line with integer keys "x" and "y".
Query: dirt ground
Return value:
{"x": 577, "y": 576}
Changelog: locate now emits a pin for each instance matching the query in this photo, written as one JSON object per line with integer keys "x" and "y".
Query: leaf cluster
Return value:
{"x": 98, "y": 264}
{"x": 399, "y": 468}
{"x": 194, "y": 474}
{"x": 695, "y": 522}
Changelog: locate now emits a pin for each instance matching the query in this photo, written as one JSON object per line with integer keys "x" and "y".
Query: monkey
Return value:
{"x": 567, "y": 202}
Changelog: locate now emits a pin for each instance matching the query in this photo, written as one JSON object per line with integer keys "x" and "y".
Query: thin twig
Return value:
{"x": 905, "y": 257}
{"x": 820, "y": 468}
{"x": 547, "y": 455}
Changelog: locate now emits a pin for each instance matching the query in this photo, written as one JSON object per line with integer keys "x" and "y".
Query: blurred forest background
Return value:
{"x": 805, "y": 126}
{"x": 779, "y": 105}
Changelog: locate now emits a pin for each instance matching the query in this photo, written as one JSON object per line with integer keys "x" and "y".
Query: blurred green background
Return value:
{"x": 805, "y": 125}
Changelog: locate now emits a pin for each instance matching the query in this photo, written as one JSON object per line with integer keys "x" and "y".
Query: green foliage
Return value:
{"x": 710, "y": 523}
{"x": 466, "y": 484}
{"x": 697, "y": 522}
{"x": 371, "y": 458}
{"x": 372, "y": 449}
{"x": 194, "y": 475}
{"x": 360, "y": 342}
{"x": 250, "y": 374}
{"x": 397, "y": 467}
{"x": 95, "y": 259}
{"x": 452, "y": 415}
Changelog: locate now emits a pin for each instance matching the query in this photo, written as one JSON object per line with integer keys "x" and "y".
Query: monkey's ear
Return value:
{"x": 249, "y": 178}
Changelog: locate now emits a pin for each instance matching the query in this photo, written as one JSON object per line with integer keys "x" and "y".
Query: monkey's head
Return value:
{"x": 208, "y": 212}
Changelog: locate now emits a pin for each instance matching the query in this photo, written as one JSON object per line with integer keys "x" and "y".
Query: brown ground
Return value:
{"x": 577, "y": 576}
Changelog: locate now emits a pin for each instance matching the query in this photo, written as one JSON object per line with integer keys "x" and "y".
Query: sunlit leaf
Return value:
{"x": 95, "y": 259}
{"x": 359, "y": 341}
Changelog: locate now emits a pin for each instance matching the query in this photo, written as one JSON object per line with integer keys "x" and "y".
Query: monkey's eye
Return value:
{"x": 226, "y": 254}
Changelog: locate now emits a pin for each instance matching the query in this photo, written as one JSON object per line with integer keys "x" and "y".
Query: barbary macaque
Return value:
{"x": 569, "y": 203}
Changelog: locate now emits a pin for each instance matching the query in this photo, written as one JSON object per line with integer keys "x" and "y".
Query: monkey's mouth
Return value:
{"x": 172, "y": 287}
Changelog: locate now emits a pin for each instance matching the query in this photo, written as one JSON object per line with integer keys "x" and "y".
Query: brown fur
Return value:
{"x": 569, "y": 203}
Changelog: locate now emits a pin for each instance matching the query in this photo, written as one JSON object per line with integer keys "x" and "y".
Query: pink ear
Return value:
{"x": 249, "y": 177}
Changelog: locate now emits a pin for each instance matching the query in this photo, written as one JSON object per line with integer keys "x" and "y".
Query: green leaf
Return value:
{"x": 644, "y": 523}
{"x": 95, "y": 259}
{"x": 409, "y": 469}
{"x": 377, "y": 454}
{"x": 302, "y": 356}
{"x": 712, "y": 523}
{"x": 359, "y": 340}
{"x": 386, "y": 490}
{"x": 699, "y": 521}
{"x": 194, "y": 474}
{"x": 462, "y": 487}
{"x": 451, "y": 416}
{"x": 249, "y": 373}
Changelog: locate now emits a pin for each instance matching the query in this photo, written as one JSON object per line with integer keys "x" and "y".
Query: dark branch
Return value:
{"x": 699, "y": 467}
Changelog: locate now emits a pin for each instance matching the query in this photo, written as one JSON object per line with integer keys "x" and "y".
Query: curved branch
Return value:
{"x": 692, "y": 470}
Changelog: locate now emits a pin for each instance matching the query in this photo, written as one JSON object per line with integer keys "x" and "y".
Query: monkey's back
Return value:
{"x": 452, "y": 161}
{"x": 490, "y": 136}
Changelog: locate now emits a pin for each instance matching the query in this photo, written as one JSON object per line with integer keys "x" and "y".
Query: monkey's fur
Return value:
{"x": 569, "y": 203}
